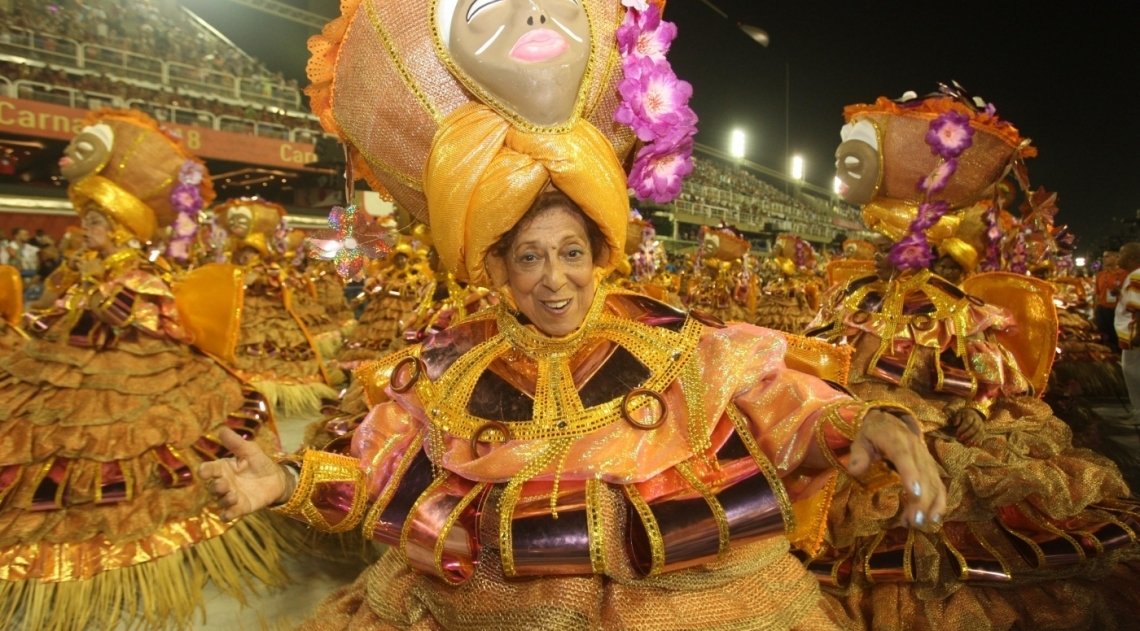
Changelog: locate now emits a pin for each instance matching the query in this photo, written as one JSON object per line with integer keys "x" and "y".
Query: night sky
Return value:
{"x": 1065, "y": 75}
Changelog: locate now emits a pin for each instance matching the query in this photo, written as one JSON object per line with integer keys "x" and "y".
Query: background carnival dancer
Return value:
{"x": 1025, "y": 508}
{"x": 108, "y": 409}
{"x": 395, "y": 289}
{"x": 1127, "y": 324}
{"x": 11, "y": 309}
{"x": 275, "y": 351}
{"x": 791, "y": 299}
{"x": 600, "y": 406}
{"x": 722, "y": 282}
{"x": 1109, "y": 283}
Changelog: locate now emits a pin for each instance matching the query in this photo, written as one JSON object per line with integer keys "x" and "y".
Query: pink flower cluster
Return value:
{"x": 655, "y": 104}
{"x": 186, "y": 198}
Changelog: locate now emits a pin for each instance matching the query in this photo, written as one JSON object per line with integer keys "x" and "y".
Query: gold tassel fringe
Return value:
{"x": 154, "y": 595}
{"x": 295, "y": 399}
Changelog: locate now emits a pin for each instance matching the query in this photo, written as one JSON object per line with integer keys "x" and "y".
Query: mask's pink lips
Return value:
{"x": 539, "y": 45}
{"x": 65, "y": 161}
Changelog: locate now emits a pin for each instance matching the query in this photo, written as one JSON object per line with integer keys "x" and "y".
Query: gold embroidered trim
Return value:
{"x": 390, "y": 490}
{"x": 320, "y": 467}
{"x": 405, "y": 74}
{"x": 656, "y": 543}
{"x": 686, "y": 471}
{"x": 769, "y": 471}
{"x": 452, "y": 517}
{"x": 595, "y": 525}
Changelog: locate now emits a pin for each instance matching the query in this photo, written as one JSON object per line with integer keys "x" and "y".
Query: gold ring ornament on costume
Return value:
{"x": 417, "y": 370}
{"x": 628, "y": 400}
{"x": 922, "y": 322}
{"x": 489, "y": 426}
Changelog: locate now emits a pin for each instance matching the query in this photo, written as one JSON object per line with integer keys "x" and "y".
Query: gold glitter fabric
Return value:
{"x": 489, "y": 426}
{"x": 1022, "y": 481}
{"x": 101, "y": 431}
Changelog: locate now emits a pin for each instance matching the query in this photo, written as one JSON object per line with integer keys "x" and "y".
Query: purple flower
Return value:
{"x": 184, "y": 225}
{"x": 911, "y": 252}
{"x": 644, "y": 35}
{"x": 950, "y": 134}
{"x": 654, "y": 101}
{"x": 657, "y": 172}
{"x": 191, "y": 173}
{"x": 928, "y": 214}
{"x": 936, "y": 181}
{"x": 185, "y": 198}
{"x": 179, "y": 249}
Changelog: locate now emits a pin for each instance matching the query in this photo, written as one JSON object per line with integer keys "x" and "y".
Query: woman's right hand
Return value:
{"x": 246, "y": 482}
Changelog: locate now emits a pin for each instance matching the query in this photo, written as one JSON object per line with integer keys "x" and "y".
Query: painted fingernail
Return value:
{"x": 937, "y": 518}
{"x": 916, "y": 489}
{"x": 919, "y": 518}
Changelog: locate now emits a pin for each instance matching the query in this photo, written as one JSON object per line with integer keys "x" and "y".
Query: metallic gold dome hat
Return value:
{"x": 450, "y": 152}
{"x": 136, "y": 183}
{"x": 264, "y": 220}
{"x": 901, "y": 130}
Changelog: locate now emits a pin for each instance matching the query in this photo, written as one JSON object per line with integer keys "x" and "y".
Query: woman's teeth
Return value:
{"x": 555, "y": 305}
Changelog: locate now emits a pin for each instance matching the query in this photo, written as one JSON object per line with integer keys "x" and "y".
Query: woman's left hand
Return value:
{"x": 884, "y": 436}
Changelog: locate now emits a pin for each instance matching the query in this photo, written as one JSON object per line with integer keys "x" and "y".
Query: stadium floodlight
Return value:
{"x": 797, "y": 168}
{"x": 737, "y": 146}
{"x": 1080, "y": 261}
{"x": 837, "y": 185}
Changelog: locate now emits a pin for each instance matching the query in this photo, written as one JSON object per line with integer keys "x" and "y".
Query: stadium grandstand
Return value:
{"x": 253, "y": 127}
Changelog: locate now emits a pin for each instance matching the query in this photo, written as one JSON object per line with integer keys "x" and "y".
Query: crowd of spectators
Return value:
{"x": 738, "y": 196}
{"x": 135, "y": 26}
{"x": 95, "y": 88}
{"x": 36, "y": 258}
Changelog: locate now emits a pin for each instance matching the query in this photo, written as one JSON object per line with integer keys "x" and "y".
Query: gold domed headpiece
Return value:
{"x": 451, "y": 150}
{"x": 135, "y": 177}
{"x": 251, "y": 221}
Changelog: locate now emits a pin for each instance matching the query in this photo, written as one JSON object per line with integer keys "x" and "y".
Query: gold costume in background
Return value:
{"x": 106, "y": 413}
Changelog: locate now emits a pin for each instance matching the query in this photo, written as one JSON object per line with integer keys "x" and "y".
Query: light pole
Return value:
{"x": 798, "y": 168}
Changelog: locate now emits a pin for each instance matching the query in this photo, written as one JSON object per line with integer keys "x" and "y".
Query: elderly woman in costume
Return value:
{"x": 275, "y": 350}
{"x": 1024, "y": 506}
{"x": 107, "y": 411}
{"x": 532, "y": 440}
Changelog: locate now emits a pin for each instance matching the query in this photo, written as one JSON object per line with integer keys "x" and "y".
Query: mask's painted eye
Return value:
{"x": 85, "y": 147}
{"x": 478, "y": 6}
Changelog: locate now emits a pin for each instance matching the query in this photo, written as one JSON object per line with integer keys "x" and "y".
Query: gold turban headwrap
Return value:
{"x": 134, "y": 185}
{"x": 483, "y": 174}
{"x": 383, "y": 82}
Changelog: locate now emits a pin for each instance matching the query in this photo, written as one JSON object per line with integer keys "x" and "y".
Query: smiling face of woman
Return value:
{"x": 550, "y": 270}
{"x": 529, "y": 54}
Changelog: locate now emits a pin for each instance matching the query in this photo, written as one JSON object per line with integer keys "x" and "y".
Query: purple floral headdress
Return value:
{"x": 186, "y": 198}
{"x": 655, "y": 104}
{"x": 948, "y": 136}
